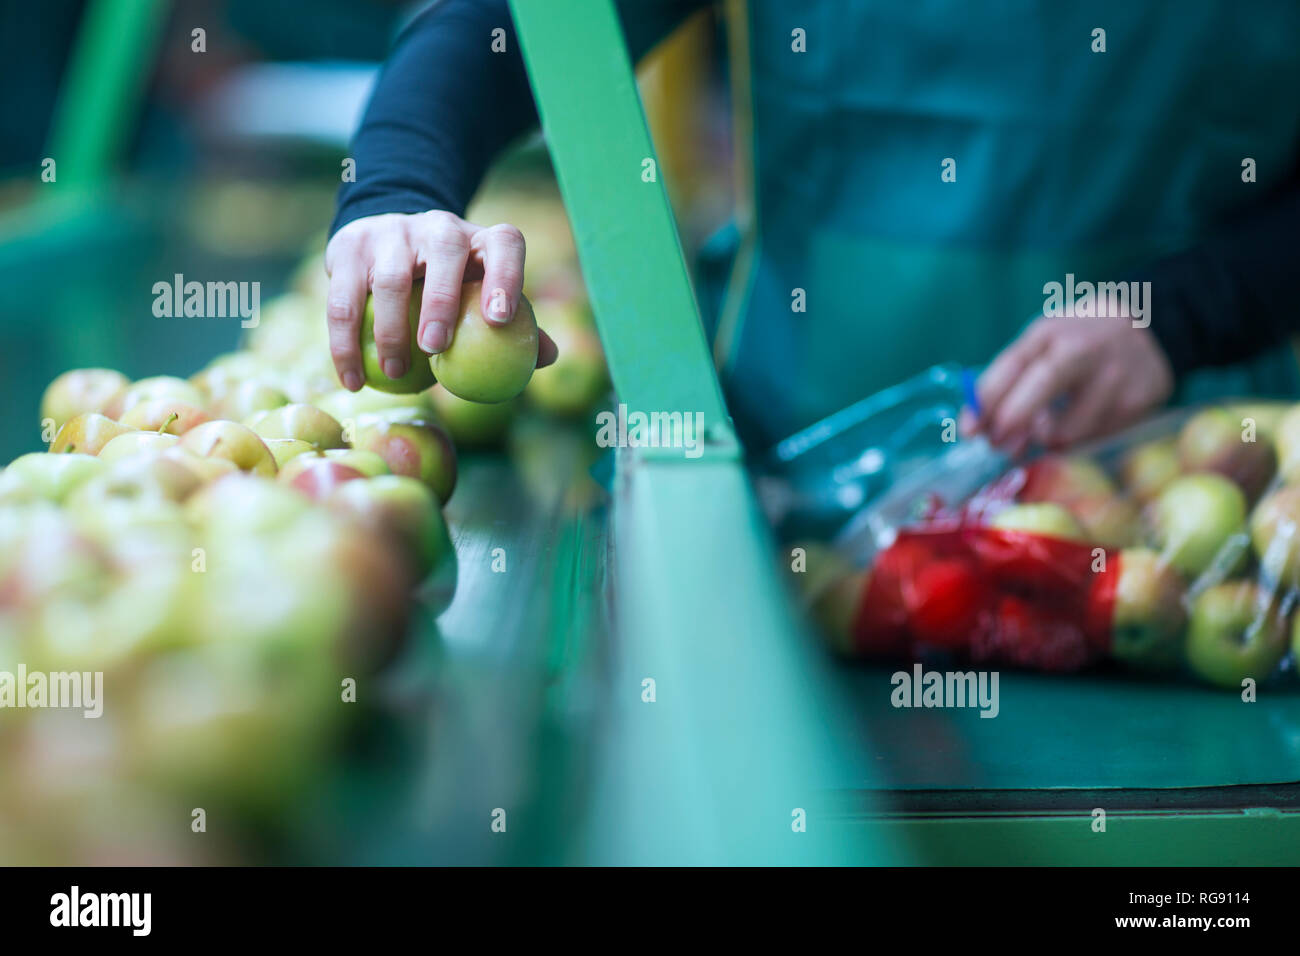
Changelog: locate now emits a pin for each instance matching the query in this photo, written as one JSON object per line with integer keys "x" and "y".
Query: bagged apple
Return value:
{"x": 1174, "y": 546}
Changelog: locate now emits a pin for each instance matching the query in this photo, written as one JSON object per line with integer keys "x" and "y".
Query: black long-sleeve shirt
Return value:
{"x": 446, "y": 105}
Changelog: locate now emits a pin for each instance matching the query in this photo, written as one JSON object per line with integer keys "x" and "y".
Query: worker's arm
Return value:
{"x": 1221, "y": 301}
{"x": 452, "y": 96}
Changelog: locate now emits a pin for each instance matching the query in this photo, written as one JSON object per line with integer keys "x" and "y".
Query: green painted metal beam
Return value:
{"x": 110, "y": 66}
{"x": 627, "y": 239}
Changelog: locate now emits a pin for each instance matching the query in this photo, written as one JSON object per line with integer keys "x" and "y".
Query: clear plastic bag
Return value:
{"x": 1171, "y": 547}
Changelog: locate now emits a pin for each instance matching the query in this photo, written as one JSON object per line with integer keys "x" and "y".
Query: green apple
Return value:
{"x": 148, "y": 477}
{"x": 320, "y": 476}
{"x": 1286, "y": 439}
{"x": 305, "y": 422}
{"x": 1275, "y": 535}
{"x": 416, "y": 449}
{"x": 367, "y": 462}
{"x": 284, "y": 450}
{"x": 402, "y": 510}
{"x": 1148, "y": 617}
{"x": 1063, "y": 480}
{"x": 232, "y": 441}
{"x": 347, "y": 406}
{"x": 486, "y": 362}
{"x": 247, "y": 398}
{"x": 1236, "y": 632}
{"x": 472, "y": 424}
{"x": 419, "y": 375}
{"x": 1108, "y": 520}
{"x": 135, "y": 443}
{"x": 578, "y": 379}
{"x": 164, "y": 414}
{"x": 52, "y": 476}
{"x": 1043, "y": 518}
{"x": 1149, "y": 467}
{"x": 1194, "y": 517}
{"x": 1215, "y": 440}
{"x": 206, "y": 469}
{"x": 226, "y": 371}
{"x": 831, "y": 590}
{"x": 87, "y": 434}
{"x": 245, "y": 506}
{"x": 80, "y": 391}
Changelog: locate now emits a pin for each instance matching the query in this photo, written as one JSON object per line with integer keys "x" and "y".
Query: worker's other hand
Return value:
{"x": 385, "y": 254}
{"x": 1065, "y": 380}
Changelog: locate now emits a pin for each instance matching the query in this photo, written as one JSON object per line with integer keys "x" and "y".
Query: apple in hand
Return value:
{"x": 231, "y": 441}
{"x": 304, "y": 422}
{"x": 164, "y": 414}
{"x": 1236, "y": 632}
{"x": 80, "y": 391}
{"x": 1275, "y": 535}
{"x": 403, "y": 510}
{"x": 135, "y": 443}
{"x": 1148, "y": 616}
{"x": 1043, "y": 518}
{"x": 419, "y": 374}
{"x": 1214, "y": 440}
{"x": 1149, "y": 467}
{"x": 472, "y": 424}
{"x": 1193, "y": 519}
{"x": 416, "y": 449}
{"x": 87, "y": 434}
{"x": 52, "y": 476}
{"x": 488, "y": 362}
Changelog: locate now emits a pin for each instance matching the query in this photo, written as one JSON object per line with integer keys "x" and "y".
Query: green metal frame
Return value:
{"x": 719, "y": 766}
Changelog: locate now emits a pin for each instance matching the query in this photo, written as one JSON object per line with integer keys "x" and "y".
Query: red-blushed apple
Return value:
{"x": 1194, "y": 517}
{"x": 80, "y": 391}
{"x": 304, "y": 422}
{"x": 418, "y": 375}
{"x": 1275, "y": 535}
{"x": 472, "y": 424}
{"x": 578, "y": 379}
{"x": 418, "y": 450}
{"x": 1148, "y": 617}
{"x": 367, "y": 462}
{"x": 235, "y": 442}
{"x": 1215, "y": 440}
{"x": 486, "y": 362}
{"x": 1265, "y": 416}
{"x": 1236, "y": 632}
{"x": 137, "y": 443}
{"x": 320, "y": 476}
{"x": 206, "y": 469}
{"x": 164, "y": 414}
{"x": 52, "y": 476}
{"x": 1063, "y": 480}
{"x": 87, "y": 434}
{"x": 1149, "y": 467}
{"x": 247, "y": 398}
{"x": 1108, "y": 520}
{"x": 1286, "y": 440}
{"x": 285, "y": 450}
{"x": 1045, "y": 518}
{"x": 402, "y": 510}
{"x": 149, "y": 389}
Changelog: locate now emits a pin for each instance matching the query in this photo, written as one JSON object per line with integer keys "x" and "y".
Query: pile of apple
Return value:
{"x": 1178, "y": 552}
{"x": 229, "y": 550}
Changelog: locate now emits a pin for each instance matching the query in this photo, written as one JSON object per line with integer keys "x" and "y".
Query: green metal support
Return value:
{"x": 631, "y": 255}
{"x": 100, "y": 100}
{"x": 717, "y": 741}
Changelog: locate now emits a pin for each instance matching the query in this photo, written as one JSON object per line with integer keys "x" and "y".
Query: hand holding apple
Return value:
{"x": 488, "y": 362}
